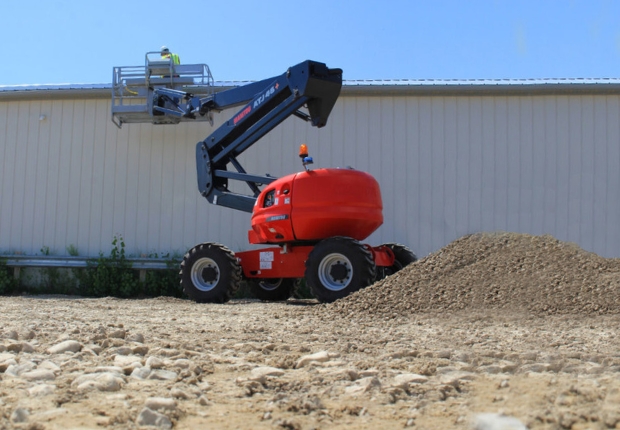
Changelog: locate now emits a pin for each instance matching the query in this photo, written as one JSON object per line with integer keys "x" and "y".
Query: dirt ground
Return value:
{"x": 492, "y": 330}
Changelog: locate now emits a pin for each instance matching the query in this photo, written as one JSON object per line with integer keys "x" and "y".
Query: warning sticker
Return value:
{"x": 266, "y": 256}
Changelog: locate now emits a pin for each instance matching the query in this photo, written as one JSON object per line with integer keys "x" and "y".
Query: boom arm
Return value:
{"x": 266, "y": 104}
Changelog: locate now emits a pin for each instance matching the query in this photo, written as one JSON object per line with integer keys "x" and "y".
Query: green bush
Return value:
{"x": 55, "y": 280}
{"x": 164, "y": 282}
{"x": 111, "y": 275}
{"x": 7, "y": 281}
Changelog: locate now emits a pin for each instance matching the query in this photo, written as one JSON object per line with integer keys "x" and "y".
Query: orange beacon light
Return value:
{"x": 303, "y": 154}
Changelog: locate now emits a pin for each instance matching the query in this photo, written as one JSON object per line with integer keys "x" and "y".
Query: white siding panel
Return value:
{"x": 76, "y": 173}
{"x": 500, "y": 183}
{"x": 99, "y": 207}
{"x": 448, "y": 166}
{"x": 411, "y": 190}
{"x": 610, "y": 209}
{"x": 550, "y": 166}
{"x": 574, "y": 165}
{"x": 472, "y": 166}
{"x": 83, "y": 138}
{"x": 560, "y": 135}
{"x": 489, "y": 169}
{"x": 40, "y": 153}
{"x": 20, "y": 228}
{"x": 524, "y": 141}
{"x": 399, "y": 177}
{"x": 357, "y": 128}
{"x": 6, "y": 176}
{"x": 586, "y": 191}
{"x": 460, "y": 133}
{"x": 425, "y": 190}
{"x": 538, "y": 162}
{"x": 30, "y": 155}
{"x": 144, "y": 166}
{"x": 385, "y": 140}
{"x": 49, "y": 170}
{"x": 63, "y": 230}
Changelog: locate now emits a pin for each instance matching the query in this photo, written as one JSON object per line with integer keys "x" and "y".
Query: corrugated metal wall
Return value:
{"x": 448, "y": 166}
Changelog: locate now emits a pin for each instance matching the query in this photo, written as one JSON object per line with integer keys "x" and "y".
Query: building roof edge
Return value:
{"x": 361, "y": 87}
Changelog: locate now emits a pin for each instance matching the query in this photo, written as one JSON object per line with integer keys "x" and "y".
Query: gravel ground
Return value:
{"x": 492, "y": 328}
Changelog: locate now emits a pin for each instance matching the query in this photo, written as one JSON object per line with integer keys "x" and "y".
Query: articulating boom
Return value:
{"x": 313, "y": 220}
{"x": 267, "y": 104}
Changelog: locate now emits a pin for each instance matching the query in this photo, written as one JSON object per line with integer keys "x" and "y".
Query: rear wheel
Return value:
{"x": 272, "y": 290}
{"x": 211, "y": 273}
{"x": 402, "y": 257}
{"x": 338, "y": 266}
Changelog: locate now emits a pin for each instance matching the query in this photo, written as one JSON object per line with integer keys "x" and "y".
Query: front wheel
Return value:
{"x": 272, "y": 290}
{"x": 210, "y": 273}
{"x": 337, "y": 267}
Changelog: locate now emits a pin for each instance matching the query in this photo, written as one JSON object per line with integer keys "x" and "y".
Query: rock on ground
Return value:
{"x": 518, "y": 329}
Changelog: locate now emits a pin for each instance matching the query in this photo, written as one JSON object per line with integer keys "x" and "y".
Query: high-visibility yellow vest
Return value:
{"x": 175, "y": 58}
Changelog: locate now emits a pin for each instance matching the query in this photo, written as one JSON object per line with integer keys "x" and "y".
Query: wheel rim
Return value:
{"x": 335, "y": 272}
{"x": 270, "y": 284}
{"x": 205, "y": 274}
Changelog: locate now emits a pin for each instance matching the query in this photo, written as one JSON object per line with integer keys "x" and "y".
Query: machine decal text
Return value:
{"x": 264, "y": 96}
{"x": 277, "y": 218}
{"x": 266, "y": 256}
{"x": 242, "y": 114}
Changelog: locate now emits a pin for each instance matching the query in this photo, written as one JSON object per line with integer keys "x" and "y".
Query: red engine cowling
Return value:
{"x": 317, "y": 204}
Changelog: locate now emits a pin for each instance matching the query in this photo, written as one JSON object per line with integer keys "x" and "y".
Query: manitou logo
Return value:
{"x": 242, "y": 114}
{"x": 276, "y": 218}
{"x": 266, "y": 95}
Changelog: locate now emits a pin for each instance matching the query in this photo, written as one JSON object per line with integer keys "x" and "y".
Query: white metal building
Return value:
{"x": 452, "y": 158}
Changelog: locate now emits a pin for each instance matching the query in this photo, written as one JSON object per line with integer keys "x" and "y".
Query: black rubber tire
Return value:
{"x": 272, "y": 290}
{"x": 337, "y": 267}
{"x": 403, "y": 257}
{"x": 210, "y": 273}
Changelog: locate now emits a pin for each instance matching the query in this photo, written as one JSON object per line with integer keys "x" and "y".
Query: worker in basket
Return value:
{"x": 166, "y": 55}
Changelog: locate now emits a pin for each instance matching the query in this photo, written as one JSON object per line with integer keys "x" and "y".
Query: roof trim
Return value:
{"x": 54, "y": 91}
{"x": 426, "y": 87}
{"x": 483, "y": 87}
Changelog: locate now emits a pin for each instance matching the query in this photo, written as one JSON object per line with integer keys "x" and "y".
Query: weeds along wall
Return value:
{"x": 106, "y": 275}
{"x": 109, "y": 275}
{"x": 449, "y": 161}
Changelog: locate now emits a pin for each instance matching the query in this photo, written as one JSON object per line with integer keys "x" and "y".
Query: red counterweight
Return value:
{"x": 317, "y": 204}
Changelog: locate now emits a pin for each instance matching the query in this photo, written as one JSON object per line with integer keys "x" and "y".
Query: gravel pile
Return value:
{"x": 537, "y": 274}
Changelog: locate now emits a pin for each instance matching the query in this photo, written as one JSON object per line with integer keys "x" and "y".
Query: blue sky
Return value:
{"x": 80, "y": 41}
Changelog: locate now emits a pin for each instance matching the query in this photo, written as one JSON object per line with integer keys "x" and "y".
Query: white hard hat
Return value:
{"x": 164, "y": 49}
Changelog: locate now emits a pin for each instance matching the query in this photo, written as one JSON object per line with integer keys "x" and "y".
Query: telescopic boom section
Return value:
{"x": 265, "y": 105}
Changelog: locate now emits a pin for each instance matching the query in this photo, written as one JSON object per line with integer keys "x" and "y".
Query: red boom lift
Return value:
{"x": 314, "y": 220}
